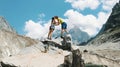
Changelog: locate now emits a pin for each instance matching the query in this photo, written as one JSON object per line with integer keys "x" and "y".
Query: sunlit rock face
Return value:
{"x": 5, "y": 25}
{"x": 11, "y": 43}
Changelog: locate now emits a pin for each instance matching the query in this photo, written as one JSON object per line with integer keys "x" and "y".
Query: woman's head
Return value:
{"x": 55, "y": 20}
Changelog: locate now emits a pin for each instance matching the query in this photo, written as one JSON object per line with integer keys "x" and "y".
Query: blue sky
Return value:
{"x": 23, "y": 14}
{"x": 17, "y": 12}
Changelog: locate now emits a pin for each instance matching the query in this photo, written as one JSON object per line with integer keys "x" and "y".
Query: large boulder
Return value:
{"x": 73, "y": 60}
{"x": 65, "y": 43}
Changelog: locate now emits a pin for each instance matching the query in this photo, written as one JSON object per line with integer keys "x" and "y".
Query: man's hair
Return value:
{"x": 56, "y": 17}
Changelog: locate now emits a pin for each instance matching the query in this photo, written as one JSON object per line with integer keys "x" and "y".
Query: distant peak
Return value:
{"x": 5, "y": 25}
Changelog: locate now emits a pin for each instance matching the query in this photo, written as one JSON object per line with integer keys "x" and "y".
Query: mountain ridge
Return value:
{"x": 5, "y": 25}
{"x": 110, "y": 31}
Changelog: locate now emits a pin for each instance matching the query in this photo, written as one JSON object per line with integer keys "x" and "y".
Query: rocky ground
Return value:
{"x": 43, "y": 54}
{"x": 53, "y": 54}
{"x": 105, "y": 54}
{"x": 35, "y": 60}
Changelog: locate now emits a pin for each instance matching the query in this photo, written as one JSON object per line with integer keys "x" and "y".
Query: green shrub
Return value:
{"x": 94, "y": 65}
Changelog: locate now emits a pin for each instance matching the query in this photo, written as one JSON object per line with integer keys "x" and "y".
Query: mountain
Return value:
{"x": 104, "y": 48}
{"x": 110, "y": 31}
{"x": 77, "y": 35}
{"x": 5, "y": 25}
{"x": 11, "y": 43}
{"x": 101, "y": 51}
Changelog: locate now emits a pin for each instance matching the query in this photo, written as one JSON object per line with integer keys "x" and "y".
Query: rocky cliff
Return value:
{"x": 110, "y": 31}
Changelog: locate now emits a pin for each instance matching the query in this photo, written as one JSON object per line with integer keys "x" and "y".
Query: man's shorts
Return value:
{"x": 64, "y": 25}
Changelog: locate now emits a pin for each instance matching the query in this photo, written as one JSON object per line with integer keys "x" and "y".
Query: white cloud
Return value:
{"x": 39, "y": 29}
{"x": 92, "y": 4}
{"x": 88, "y": 23}
{"x": 108, "y": 4}
{"x": 82, "y": 4}
{"x": 35, "y": 29}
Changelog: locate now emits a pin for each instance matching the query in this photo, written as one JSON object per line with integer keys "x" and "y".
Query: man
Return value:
{"x": 63, "y": 25}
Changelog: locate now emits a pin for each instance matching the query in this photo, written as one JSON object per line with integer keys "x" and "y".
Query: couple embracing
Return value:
{"x": 55, "y": 22}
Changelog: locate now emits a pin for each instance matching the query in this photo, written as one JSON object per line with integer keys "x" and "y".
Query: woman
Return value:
{"x": 63, "y": 25}
{"x": 51, "y": 29}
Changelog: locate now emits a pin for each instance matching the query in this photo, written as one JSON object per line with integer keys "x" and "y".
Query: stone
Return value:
{"x": 6, "y": 65}
{"x": 73, "y": 60}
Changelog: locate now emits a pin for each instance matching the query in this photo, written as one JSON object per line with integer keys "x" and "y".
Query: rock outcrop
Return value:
{"x": 64, "y": 44}
{"x": 21, "y": 51}
{"x": 5, "y": 25}
{"x": 11, "y": 43}
{"x": 73, "y": 60}
{"x": 98, "y": 59}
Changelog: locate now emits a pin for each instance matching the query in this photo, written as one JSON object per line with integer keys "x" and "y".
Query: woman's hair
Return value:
{"x": 55, "y": 17}
{"x": 52, "y": 19}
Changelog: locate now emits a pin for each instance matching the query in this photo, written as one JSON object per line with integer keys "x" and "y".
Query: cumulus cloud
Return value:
{"x": 92, "y": 4}
{"x": 35, "y": 29}
{"x": 82, "y": 4}
{"x": 87, "y": 23}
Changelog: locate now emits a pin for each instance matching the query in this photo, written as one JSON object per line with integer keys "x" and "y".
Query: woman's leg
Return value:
{"x": 50, "y": 32}
{"x": 50, "y": 36}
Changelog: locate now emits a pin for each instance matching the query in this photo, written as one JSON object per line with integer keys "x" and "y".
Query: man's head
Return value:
{"x": 56, "y": 17}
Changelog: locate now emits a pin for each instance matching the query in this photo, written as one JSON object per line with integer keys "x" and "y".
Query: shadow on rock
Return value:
{"x": 6, "y": 65}
{"x": 73, "y": 60}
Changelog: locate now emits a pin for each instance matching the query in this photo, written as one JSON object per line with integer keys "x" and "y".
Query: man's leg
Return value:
{"x": 66, "y": 31}
{"x": 49, "y": 34}
{"x": 62, "y": 31}
{"x": 64, "y": 27}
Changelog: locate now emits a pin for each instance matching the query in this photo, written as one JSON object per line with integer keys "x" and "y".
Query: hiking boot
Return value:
{"x": 61, "y": 36}
{"x": 49, "y": 38}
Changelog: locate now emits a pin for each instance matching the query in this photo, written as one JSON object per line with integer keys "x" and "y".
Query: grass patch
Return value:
{"x": 94, "y": 65}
